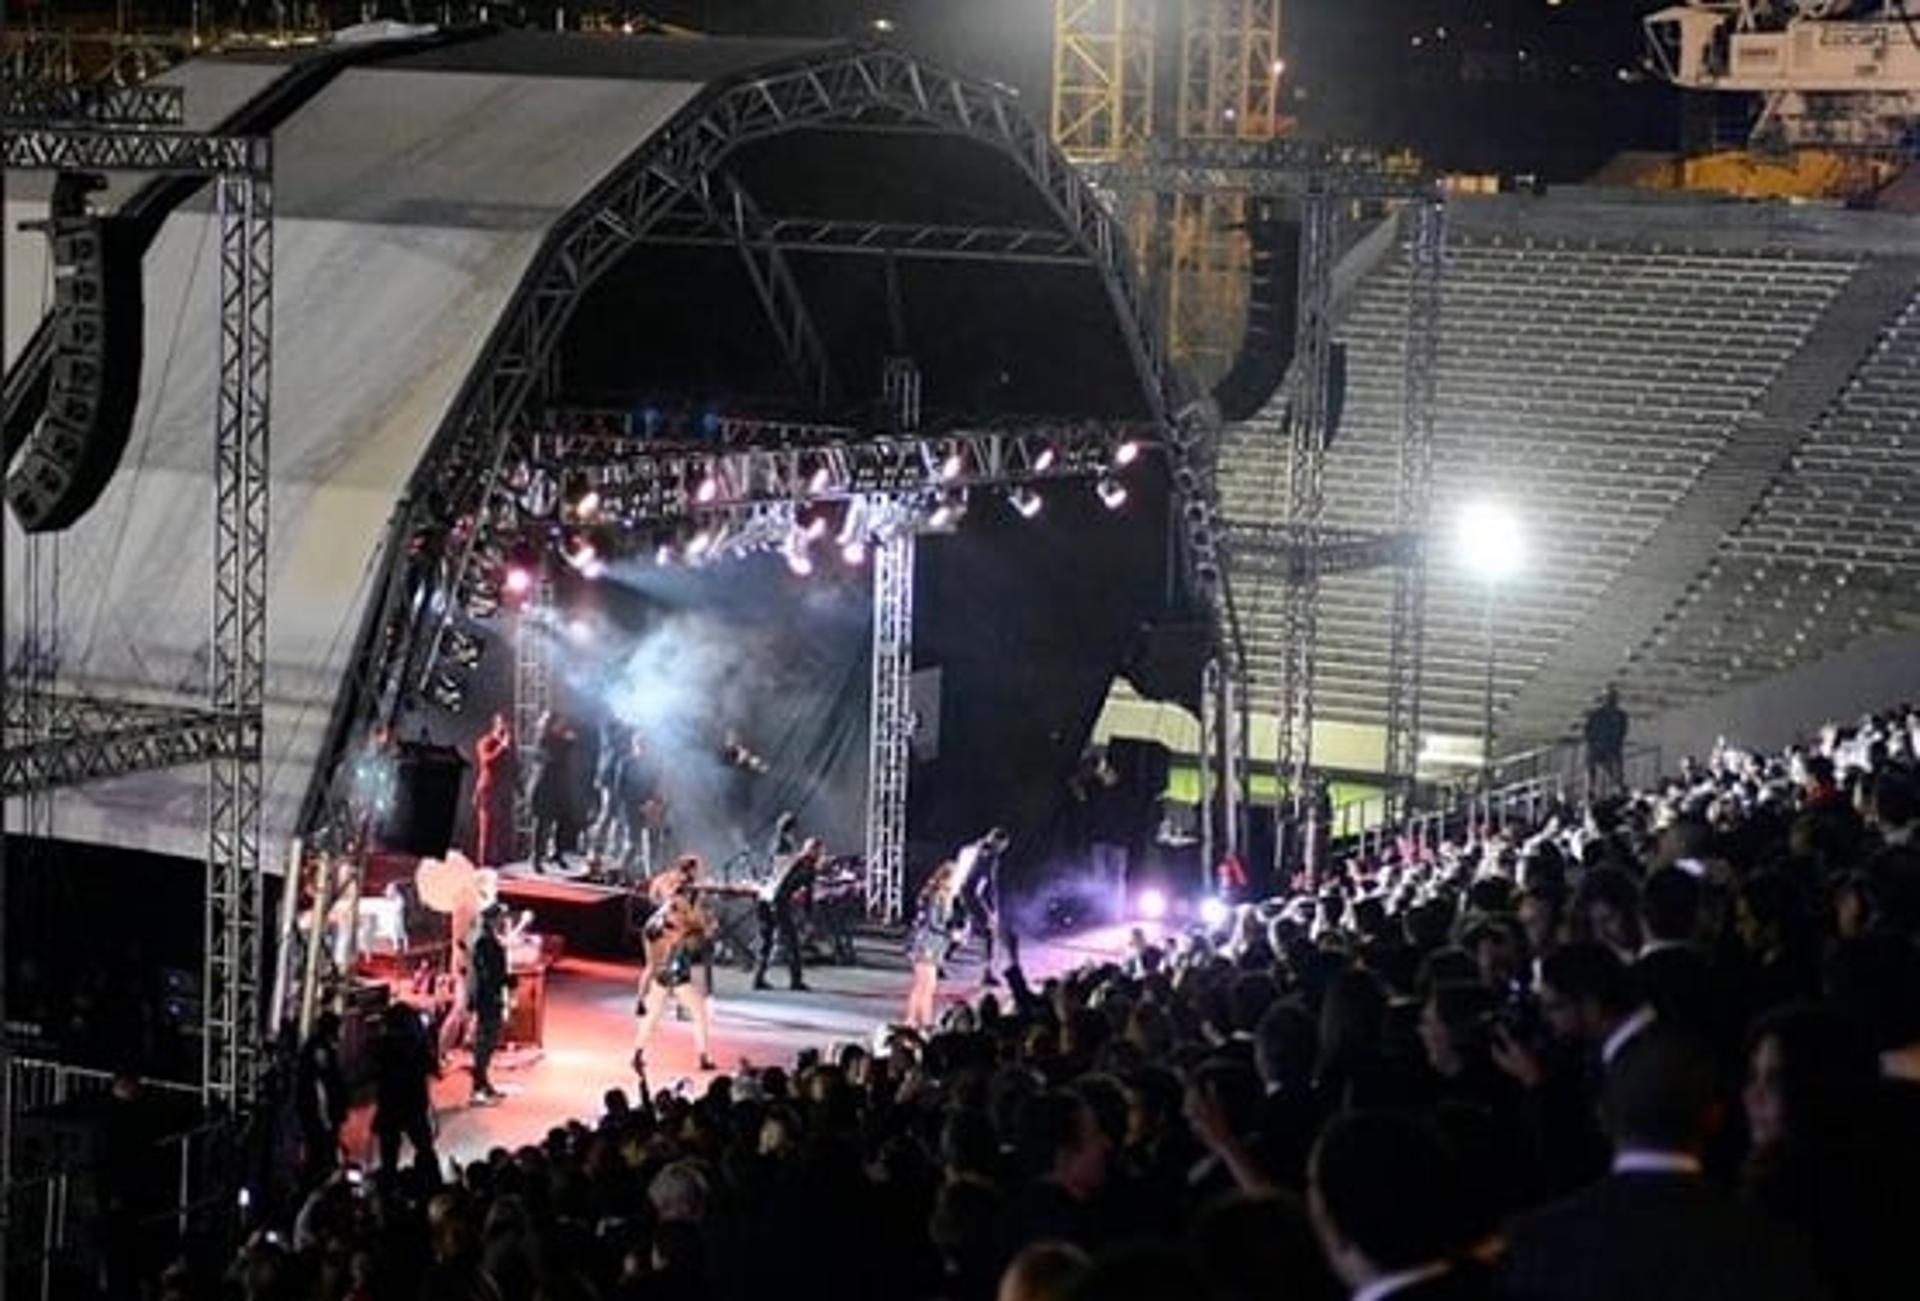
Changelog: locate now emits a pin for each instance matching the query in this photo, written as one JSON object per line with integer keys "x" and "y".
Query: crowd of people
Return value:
{"x": 1664, "y": 1046}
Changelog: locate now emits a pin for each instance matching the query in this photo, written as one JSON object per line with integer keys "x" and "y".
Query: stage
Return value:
{"x": 590, "y": 1025}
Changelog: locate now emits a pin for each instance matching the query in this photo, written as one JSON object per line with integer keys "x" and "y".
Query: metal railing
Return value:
{"x": 43, "y": 1236}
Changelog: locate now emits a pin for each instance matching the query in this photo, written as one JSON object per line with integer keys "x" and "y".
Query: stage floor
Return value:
{"x": 590, "y": 1023}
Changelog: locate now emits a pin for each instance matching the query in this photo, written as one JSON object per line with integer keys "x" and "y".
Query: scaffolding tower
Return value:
{"x": 58, "y": 737}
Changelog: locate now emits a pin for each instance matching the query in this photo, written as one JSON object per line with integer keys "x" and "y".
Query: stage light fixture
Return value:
{"x": 1113, "y": 493}
{"x": 581, "y": 555}
{"x": 951, "y": 509}
{"x": 798, "y": 562}
{"x": 1025, "y": 501}
{"x": 1214, "y": 912}
{"x": 519, "y": 580}
{"x": 813, "y": 524}
{"x": 698, "y": 544}
{"x": 953, "y": 466}
{"x": 854, "y": 553}
{"x": 1048, "y": 458}
{"x": 448, "y": 692}
{"x": 579, "y": 631}
{"x": 708, "y": 491}
{"x": 463, "y": 649}
{"x": 588, "y": 505}
{"x": 540, "y": 496}
{"x": 820, "y": 480}
{"x": 1127, "y": 453}
{"x": 1152, "y": 905}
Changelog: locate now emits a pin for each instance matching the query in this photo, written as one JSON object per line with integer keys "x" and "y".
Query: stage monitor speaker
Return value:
{"x": 1273, "y": 309}
{"x": 94, "y": 385}
{"x": 426, "y": 800}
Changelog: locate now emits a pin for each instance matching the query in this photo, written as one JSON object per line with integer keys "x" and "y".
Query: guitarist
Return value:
{"x": 778, "y": 903}
{"x": 487, "y": 986}
{"x": 672, "y": 940}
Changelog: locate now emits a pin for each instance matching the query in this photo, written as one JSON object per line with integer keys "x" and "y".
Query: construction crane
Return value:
{"x": 1831, "y": 74}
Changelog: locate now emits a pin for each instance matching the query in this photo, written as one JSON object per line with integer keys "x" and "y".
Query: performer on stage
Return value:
{"x": 496, "y": 778}
{"x": 978, "y": 864}
{"x": 778, "y": 904}
{"x": 931, "y": 938}
{"x": 488, "y": 983}
{"x": 673, "y": 939}
{"x": 555, "y": 801}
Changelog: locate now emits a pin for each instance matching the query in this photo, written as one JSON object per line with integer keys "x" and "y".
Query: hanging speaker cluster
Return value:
{"x": 94, "y": 382}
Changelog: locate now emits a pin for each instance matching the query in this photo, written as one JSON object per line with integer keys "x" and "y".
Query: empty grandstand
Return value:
{"x": 1634, "y": 377}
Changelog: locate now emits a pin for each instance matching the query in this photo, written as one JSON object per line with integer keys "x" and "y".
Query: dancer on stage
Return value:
{"x": 779, "y": 902}
{"x": 978, "y": 864}
{"x": 674, "y": 938}
{"x": 496, "y": 778}
{"x": 931, "y": 939}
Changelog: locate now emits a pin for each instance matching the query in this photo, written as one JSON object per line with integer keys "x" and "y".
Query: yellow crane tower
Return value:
{"x": 1131, "y": 76}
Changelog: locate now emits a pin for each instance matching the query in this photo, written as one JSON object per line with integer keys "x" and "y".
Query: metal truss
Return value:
{"x": 1305, "y": 490}
{"x": 43, "y": 102}
{"x": 1298, "y": 556}
{"x": 177, "y": 152}
{"x": 645, "y": 482}
{"x": 1280, "y": 168}
{"x": 106, "y": 740}
{"x": 828, "y": 235}
{"x": 532, "y": 689}
{"x": 890, "y": 728}
{"x": 872, "y": 86}
{"x": 1230, "y": 69}
{"x": 1424, "y": 225}
{"x": 69, "y": 740}
{"x": 1103, "y": 76}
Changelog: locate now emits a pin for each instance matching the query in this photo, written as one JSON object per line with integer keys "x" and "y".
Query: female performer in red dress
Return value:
{"x": 495, "y": 779}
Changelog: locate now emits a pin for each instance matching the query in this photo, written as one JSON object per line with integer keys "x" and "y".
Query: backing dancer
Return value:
{"x": 978, "y": 864}
{"x": 672, "y": 940}
{"x": 496, "y": 779}
{"x": 932, "y": 937}
{"x": 778, "y": 902}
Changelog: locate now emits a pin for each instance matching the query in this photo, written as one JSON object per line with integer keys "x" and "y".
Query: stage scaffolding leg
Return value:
{"x": 234, "y": 1023}
{"x": 890, "y": 727}
{"x": 532, "y": 694}
{"x": 1425, "y": 231}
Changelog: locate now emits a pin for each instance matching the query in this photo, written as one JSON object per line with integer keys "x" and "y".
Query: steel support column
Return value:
{"x": 1305, "y": 496}
{"x": 890, "y": 727}
{"x": 232, "y": 1046}
{"x": 1423, "y": 226}
{"x": 532, "y": 691}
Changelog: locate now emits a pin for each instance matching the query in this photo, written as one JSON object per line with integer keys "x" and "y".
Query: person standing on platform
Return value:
{"x": 979, "y": 892}
{"x": 553, "y": 796}
{"x": 779, "y": 905}
{"x": 487, "y": 986}
{"x": 496, "y": 779}
{"x": 674, "y": 940}
{"x": 930, "y": 941}
{"x": 1606, "y": 736}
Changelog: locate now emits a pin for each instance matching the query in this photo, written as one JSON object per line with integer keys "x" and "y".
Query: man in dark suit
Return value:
{"x": 487, "y": 982}
{"x": 1655, "y": 1229}
{"x": 779, "y": 912}
{"x": 1386, "y": 1201}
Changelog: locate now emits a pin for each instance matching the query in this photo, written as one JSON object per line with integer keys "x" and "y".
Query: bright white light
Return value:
{"x": 1214, "y": 911}
{"x": 951, "y": 467}
{"x": 854, "y": 553}
{"x": 594, "y": 569}
{"x": 1113, "y": 493}
{"x": 708, "y": 490}
{"x": 588, "y": 506}
{"x": 1026, "y": 501}
{"x": 1152, "y": 905}
{"x": 698, "y": 544}
{"x": 664, "y": 555}
{"x": 942, "y": 516}
{"x": 1280, "y": 65}
{"x": 579, "y": 631}
{"x": 519, "y": 581}
{"x": 883, "y": 24}
{"x": 799, "y": 562}
{"x": 1127, "y": 453}
{"x": 1491, "y": 545}
{"x": 820, "y": 481}
{"x": 1044, "y": 462}
{"x": 815, "y": 528}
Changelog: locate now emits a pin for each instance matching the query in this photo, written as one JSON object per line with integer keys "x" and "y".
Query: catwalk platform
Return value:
{"x": 590, "y": 1024}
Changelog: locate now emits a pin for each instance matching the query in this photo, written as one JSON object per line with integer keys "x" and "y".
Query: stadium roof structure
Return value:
{"x": 471, "y": 224}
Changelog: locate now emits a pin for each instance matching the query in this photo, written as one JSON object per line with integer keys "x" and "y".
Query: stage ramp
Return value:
{"x": 410, "y": 204}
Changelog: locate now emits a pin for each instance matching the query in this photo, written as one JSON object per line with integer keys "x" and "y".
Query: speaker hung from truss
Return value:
{"x": 1266, "y": 348}
{"x": 94, "y": 384}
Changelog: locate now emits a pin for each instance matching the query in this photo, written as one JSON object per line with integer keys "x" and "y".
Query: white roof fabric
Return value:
{"x": 410, "y": 205}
